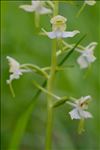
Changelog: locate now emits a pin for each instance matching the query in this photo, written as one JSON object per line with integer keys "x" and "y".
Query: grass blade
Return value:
{"x": 71, "y": 51}
{"x": 22, "y": 122}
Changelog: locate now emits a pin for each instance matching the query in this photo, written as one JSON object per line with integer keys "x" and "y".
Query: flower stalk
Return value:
{"x": 50, "y": 88}
{"x": 50, "y": 100}
{"x": 81, "y": 9}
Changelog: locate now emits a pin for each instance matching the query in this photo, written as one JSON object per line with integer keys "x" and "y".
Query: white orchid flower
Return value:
{"x": 79, "y": 108}
{"x": 15, "y": 69}
{"x": 90, "y": 2}
{"x": 87, "y": 56}
{"x": 58, "y": 28}
{"x": 36, "y": 6}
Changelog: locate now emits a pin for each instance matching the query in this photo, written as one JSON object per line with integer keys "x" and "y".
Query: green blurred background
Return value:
{"x": 20, "y": 41}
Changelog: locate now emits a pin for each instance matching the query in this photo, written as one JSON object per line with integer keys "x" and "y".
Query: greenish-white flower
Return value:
{"x": 15, "y": 69}
{"x": 80, "y": 106}
{"x": 58, "y": 28}
{"x": 90, "y": 2}
{"x": 36, "y": 6}
{"x": 87, "y": 56}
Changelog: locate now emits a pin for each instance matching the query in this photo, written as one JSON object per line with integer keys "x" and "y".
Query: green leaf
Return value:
{"x": 22, "y": 123}
{"x": 20, "y": 128}
{"x": 71, "y": 51}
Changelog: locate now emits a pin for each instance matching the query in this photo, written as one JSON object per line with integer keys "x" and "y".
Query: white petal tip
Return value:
{"x": 70, "y": 33}
{"x": 76, "y": 32}
{"x": 28, "y": 8}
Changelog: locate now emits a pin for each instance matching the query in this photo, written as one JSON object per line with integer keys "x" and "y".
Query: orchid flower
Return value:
{"x": 80, "y": 106}
{"x": 58, "y": 28}
{"x": 36, "y": 6}
{"x": 87, "y": 56}
{"x": 15, "y": 69}
{"x": 90, "y": 2}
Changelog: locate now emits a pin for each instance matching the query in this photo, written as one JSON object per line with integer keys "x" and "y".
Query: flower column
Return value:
{"x": 50, "y": 88}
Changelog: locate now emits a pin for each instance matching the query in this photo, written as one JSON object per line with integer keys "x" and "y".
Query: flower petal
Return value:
{"x": 92, "y": 45}
{"x": 91, "y": 58}
{"x": 90, "y": 2}
{"x": 58, "y": 18}
{"x": 12, "y": 77}
{"x": 74, "y": 114}
{"x": 36, "y": 3}
{"x": 28, "y": 8}
{"x": 70, "y": 34}
{"x": 44, "y": 10}
{"x": 85, "y": 114}
{"x": 82, "y": 62}
{"x": 14, "y": 65}
{"x": 51, "y": 35}
{"x": 84, "y": 99}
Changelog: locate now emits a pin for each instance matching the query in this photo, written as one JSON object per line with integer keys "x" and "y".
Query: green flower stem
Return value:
{"x": 58, "y": 68}
{"x": 45, "y": 91}
{"x": 81, "y": 126}
{"x": 50, "y": 4}
{"x": 50, "y": 100}
{"x": 81, "y": 9}
{"x": 50, "y": 87}
{"x": 56, "y": 8}
{"x": 70, "y": 46}
{"x": 35, "y": 69}
{"x": 11, "y": 89}
{"x": 46, "y": 68}
{"x": 37, "y": 20}
{"x": 67, "y": 47}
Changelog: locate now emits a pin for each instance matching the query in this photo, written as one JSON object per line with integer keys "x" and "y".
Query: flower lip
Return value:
{"x": 58, "y": 20}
